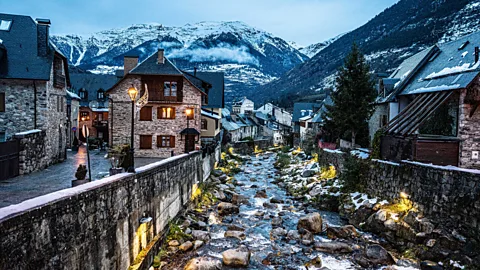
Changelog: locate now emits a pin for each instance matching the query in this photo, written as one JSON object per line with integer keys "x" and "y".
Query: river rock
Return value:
{"x": 201, "y": 235}
{"x": 174, "y": 243}
{"x": 429, "y": 265}
{"x": 276, "y": 200}
{"x": 235, "y": 234}
{"x": 311, "y": 222}
{"x": 239, "y": 199}
{"x": 293, "y": 235}
{"x": 220, "y": 195}
{"x": 239, "y": 257}
{"x": 203, "y": 263}
{"x": 217, "y": 173}
{"x": 269, "y": 205}
{"x": 378, "y": 255}
{"x": 277, "y": 222}
{"x": 235, "y": 227}
{"x": 344, "y": 232}
{"x": 225, "y": 208}
{"x": 277, "y": 233}
{"x": 333, "y": 247}
{"x": 186, "y": 246}
{"x": 223, "y": 178}
{"x": 197, "y": 244}
{"x": 261, "y": 194}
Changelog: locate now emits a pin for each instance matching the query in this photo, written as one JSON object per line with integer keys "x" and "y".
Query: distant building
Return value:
{"x": 94, "y": 103}
{"x": 170, "y": 122}
{"x": 302, "y": 111}
{"x": 33, "y": 85}
{"x": 73, "y": 127}
{"x": 243, "y": 106}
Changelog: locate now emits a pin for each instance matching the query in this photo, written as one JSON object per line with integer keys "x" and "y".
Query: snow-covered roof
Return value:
{"x": 99, "y": 109}
{"x": 28, "y": 132}
{"x": 211, "y": 115}
{"x": 229, "y": 125}
{"x": 73, "y": 95}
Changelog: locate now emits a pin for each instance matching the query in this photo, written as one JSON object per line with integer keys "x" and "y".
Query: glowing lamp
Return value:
{"x": 132, "y": 92}
{"x": 403, "y": 195}
{"x": 188, "y": 112}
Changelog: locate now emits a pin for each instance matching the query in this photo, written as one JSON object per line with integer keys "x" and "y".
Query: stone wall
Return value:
{"x": 469, "y": 126}
{"x": 32, "y": 151}
{"x": 97, "y": 225}
{"x": 248, "y": 147}
{"x": 210, "y": 160}
{"x": 172, "y": 127}
{"x": 449, "y": 197}
{"x": 375, "y": 121}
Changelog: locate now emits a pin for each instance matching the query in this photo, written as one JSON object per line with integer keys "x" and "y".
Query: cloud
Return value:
{"x": 224, "y": 52}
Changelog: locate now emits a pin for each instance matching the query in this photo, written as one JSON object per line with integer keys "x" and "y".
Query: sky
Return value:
{"x": 302, "y": 21}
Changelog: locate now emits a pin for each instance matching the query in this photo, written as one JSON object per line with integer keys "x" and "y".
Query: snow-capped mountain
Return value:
{"x": 249, "y": 57}
{"x": 313, "y": 49}
{"x": 393, "y": 35}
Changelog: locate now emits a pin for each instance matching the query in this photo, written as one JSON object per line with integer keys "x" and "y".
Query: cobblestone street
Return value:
{"x": 57, "y": 177}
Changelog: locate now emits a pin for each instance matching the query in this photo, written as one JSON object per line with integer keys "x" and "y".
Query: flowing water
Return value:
{"x": 258, "y": 174}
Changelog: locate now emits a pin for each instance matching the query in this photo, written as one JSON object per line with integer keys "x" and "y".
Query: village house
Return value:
{"x": 33, "y": 83}
{"x": 94, "y": 103}
{"x": 301, "y": 113}
{"x": 170, "y": 121}
{"x": 434, "y": 107}
{"x": 73, "y": 107}
{"x": 243, "y": 106}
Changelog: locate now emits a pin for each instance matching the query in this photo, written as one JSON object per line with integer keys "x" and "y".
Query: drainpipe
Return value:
{"x": 111, "y": 122}
{"x": 34, "y": 105}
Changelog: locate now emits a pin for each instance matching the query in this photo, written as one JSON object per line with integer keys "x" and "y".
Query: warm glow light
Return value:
{"x": 132, "y": 92}
{"x": 403, "y": 195}
{"x": 83, "y": 118}
{"x": 188, "y": 112}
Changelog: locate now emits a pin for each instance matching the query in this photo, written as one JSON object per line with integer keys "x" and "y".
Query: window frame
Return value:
{"x": 168, "y": 90}
{"x": 142, "y": 145}
{"x": 86, "y": 115}
{"x": 9, "y": 26}
{"x": 160, "y": 113}
{"x": 204, "y": 124}
{"x": 163, "y": 138}
{"x": 150, "y": 118}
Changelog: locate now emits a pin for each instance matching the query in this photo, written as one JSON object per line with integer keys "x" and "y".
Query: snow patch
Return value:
{"x": 28, "y": 132}
{"x": 453, "y": 70}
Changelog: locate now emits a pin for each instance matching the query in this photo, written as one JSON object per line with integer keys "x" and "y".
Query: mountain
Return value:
{"x": 313, "y": 49}
{"x": 249, "y": 57}
{"x": 395, "y": 34}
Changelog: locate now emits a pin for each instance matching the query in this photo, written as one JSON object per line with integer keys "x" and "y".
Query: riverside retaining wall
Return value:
{"x": 449, "y": 196}
{"x": 98, "y": 225}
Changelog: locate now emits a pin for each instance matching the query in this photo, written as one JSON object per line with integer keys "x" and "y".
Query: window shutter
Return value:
{"x": 173, "y": 112}
{"x": 145, "y": 141}
{"x": 172, "y": 141}
{"x": 146, "y": 114}
{"x": 2, "y": 102}
{"x": 180, "y": 91}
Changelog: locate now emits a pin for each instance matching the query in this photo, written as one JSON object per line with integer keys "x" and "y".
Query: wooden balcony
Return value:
{"x": 59, "y": 80}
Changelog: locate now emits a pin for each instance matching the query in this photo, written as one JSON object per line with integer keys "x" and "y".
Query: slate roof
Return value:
{"x": 22, "y": 60}
{"x": 150, "y": 67}
{"x": 92, "y": 83}
{"x": 452, "y": 67}
{"x": 216, "y": 93}
{"x": 229, "y": 125}
{"x": 299, "y": 107}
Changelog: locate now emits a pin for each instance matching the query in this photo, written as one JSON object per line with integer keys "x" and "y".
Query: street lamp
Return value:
{"x": 132, "y": 92}
{"x": 189, "y": 113}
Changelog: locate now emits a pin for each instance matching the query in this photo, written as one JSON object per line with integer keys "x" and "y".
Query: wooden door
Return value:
{"x": 189, "y": 143}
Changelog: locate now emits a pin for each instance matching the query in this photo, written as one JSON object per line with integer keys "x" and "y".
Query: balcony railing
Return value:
{"x": 59, "y": 80}
{"x": 100, "y": 124}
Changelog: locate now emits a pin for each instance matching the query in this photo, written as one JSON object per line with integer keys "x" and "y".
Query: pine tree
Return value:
{"x": 353, "y": 99}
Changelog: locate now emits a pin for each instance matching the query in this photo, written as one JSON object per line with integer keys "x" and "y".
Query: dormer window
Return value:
{"x": 83, "y": 94}
{"x": 100, "y": 94}
{"x": 5, "y": 25}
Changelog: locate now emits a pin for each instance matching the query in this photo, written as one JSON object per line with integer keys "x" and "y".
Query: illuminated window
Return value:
{"x": 166, "y": 113}
{"x": 84, "y": 116}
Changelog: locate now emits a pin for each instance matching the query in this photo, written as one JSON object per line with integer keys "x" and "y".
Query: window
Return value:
{"x": 204, "y": 124}
{"x": 383, "y": 121}
{"x": 2, "y": 102}
{"x": 3, "y": 137}
{"x": 170, "y": 89}
{"x": 84, "y": 116}
{"x": 216, "y": 124}
{"x": 100, "y": 94}
{"x": 166, "y": 113}
{"x": 146, "y": 114}
{"x": 145, "y": 141}
{"x": 165, "y": 141}
{"x": 83, "y": 94}
{"x": 5, "y": 25}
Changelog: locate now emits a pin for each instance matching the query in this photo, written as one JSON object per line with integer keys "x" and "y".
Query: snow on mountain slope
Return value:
{"x": 233, "y": 47}
{"x": 313, "y": 49}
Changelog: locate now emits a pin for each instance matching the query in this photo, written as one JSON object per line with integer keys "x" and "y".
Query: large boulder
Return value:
{"x": 311, "y": 222}
{"x": 235, "y": 234}
{"x": 344, "y": 232}
{"x": 186, "y": 246}
{"x": 225, "y": 208}
{"x": 333, "y": 247}
{"x": 310, "y": 170}
{"x": 239, "y": 257}
{"x": 378, "y": 255}
{"x": 239, "y": 199}
{"x": 203, "y": 263}
{"x": 201, "y": 235}
{"x": 261, "y": 194}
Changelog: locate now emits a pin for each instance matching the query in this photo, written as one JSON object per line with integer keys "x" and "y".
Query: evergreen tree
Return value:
{"x": 353, "y": 99}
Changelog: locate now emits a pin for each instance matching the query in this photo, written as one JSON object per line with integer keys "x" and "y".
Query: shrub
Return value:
{"x": 376, "y": 144}
{"x": 283, "y": 161}
{"x": 81, "y": 172}
{"x": 285, "y": 149}
{"x": 354, "y": 175}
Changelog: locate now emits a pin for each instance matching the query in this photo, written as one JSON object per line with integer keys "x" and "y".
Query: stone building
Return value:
{"x": 73, "y": 106}
{"x": 434, "y": 107}
{"x": 94, "y": 103}
{"x": 33, "y": 82}
{"x": 170, "y": 122}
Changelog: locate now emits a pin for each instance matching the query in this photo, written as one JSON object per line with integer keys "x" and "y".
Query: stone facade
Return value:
{"x": 73, "y": 120}
{"x": 97, "y": 225}
{"x": 49, "y": 114}
{"x": 377, "y": 121}
{"x": 469, "y": 127}
{"x": 121, "y": 119}
{"x": 32, "y": 144}
{"x": 450, "y": 198}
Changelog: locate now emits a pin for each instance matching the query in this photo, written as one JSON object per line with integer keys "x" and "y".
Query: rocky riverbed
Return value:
{"x": 257, "y": 218}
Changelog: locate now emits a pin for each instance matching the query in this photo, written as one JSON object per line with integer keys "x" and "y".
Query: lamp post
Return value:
{"x": 188, "y": 112}
{"x": 132, "y": 92}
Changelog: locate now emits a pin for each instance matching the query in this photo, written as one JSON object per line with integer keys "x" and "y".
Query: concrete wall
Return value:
{"x": 97, "y": 225}
{"x": 449, "y": 197}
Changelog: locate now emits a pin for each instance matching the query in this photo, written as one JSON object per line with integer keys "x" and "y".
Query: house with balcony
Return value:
{"x": 94, "y": 103}
{"x": 169, "y": 121}
{"x": 33, "y": 86}
{"x": 243, "y": 106}
{"x": 433, "y": 109}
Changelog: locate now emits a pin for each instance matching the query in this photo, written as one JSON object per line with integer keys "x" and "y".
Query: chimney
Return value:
{"x": 477, "y": 54}
{"x": 43, "y": 26}
{"x": 161, "y": 57}
{"x": 129, "y": 63}
{"x": 195, "y": 71}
